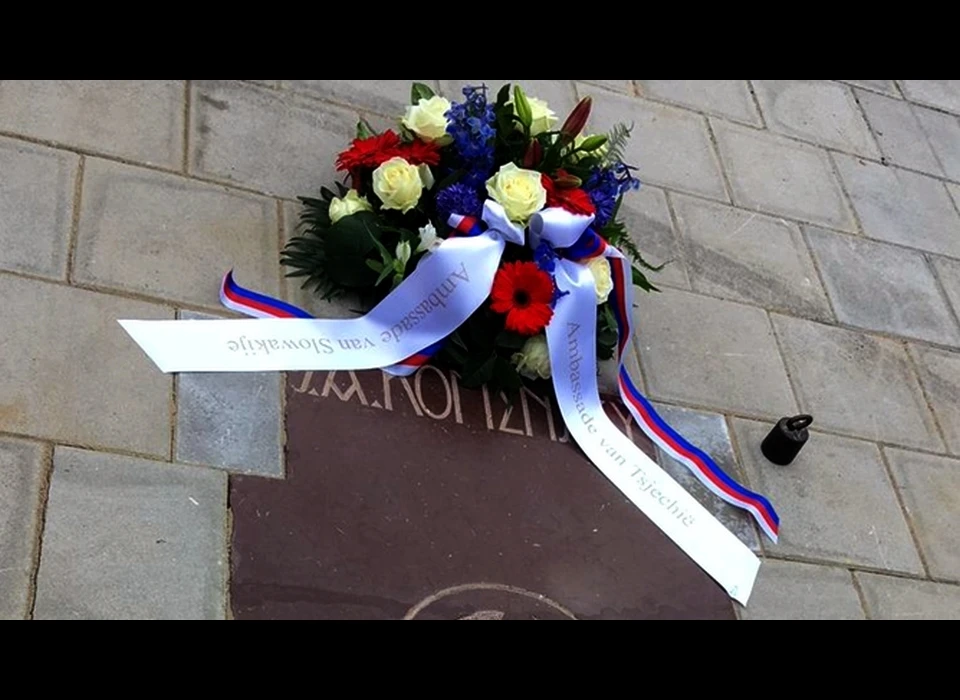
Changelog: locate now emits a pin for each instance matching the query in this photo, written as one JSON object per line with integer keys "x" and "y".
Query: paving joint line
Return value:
{"x": 721, "y": 166}
{"x": 861, "y": 596}
{"x": 802, "y": 222}
{"x": 954, "y": 312}
{"x": 914, "y": 367}
{"x": 911, "y": 526}
{"x": 75, "y": 219}
{"x": 884, "y": 160}
{"x": 771, "y": 419}
{"x": 756, "y": 103}
{"x": 871, "y": 332}
{"x": 186, "y": 125}
{"x": 874, "y": 90}
{"x": 847, "y": 199}
{"x": 37, "y": 553}
{"x": 679, "y": 236}
{"x": 92, "y": 153}
{"x": 856, "y": 568}
{"x": 820, "y": 278}
{"x": 778, "y": 341}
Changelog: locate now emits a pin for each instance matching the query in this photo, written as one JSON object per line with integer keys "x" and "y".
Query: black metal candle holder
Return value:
{"x": 784, "y": 442}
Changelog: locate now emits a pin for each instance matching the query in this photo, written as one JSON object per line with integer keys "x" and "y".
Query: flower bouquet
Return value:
{"x": 445, "y": 160}
{"x": 484, "y": 239}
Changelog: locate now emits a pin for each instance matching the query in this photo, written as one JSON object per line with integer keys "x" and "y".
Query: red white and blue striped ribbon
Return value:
{"x": 251, "y": 303}
{"x": 589, "y": 246}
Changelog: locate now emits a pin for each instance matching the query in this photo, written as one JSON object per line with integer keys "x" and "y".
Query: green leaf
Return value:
{"x": 522, "y": 107}
{"x": 363, "y": 129}
{"x": 641, "y": 281}
{"x": 510, "y": 340}
{"x": 419, "y": 91}
{"x": 375, "y": 265}
{"x": 477, "y": 371}
{"x": 347, "y": 245}
{"x": 592, "y": 143}
{"x": 506, "y": 376}
{"x": 327, "y": 193}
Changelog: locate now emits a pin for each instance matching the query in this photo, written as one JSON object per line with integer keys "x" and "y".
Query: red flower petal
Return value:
{"x": 523, "y": 292}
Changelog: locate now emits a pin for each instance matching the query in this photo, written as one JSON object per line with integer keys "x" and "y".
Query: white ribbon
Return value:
{"x": 571, "y": 339}
{"x": 439, "y": 296}
{"x": 448, "y": 285}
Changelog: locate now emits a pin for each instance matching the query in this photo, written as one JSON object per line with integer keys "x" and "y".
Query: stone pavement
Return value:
{"x": 813, "y": 235}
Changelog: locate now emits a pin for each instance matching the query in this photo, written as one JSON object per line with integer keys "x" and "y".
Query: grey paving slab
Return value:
{"x": 230, "y": 420}
{"x": 815, "y": 110}
{"x": 899, "y": 133}
{"x": 882, "y": 287}
{"x": 272, "y": 141}
{"x": 669, "y": 146}
{"x": 940, "y": 374}
{"x": 608, "y": 373}
{"x": 166, "y": 236}
{"x": 36, "y": 206}
{"x": 899, "y": 206}
{"x": 948, "y": 272}
{"x": 856, "y": 384}
{"x": 711, "y": 353}
{"x": 944, "y": 94}
{"x": 787, "y": 590}
{"x": 141, "y": 120}
{"x": 130, "y": 538}
{"x": 559, "y": 94}
{"x": 387, "y": 97}
{"x": 891, "y": 598}
{"x": 930, "y": 488}
{"x": 749, "y": 257}
{"x": 781, "y": 176}
{"x": 69, "y": 372}
{"x": 708, "y": 432}
{"x": 886, "y": 86}
{"x": 647, "y": 217}
{"x": 835, "y": 501}
{"x": 943, "y": 130}
{"x": 21, "y": 483}
{"x": 725, "y": 98}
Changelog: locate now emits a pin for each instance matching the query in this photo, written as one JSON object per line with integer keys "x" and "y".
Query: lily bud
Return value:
{"x": 534, "y": 154}
{"x": 565, "y": 180}
{"x": 578, "y": 118}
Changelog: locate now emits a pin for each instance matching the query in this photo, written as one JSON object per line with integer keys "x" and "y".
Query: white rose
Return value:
{"x": 428, "y": 119}
{"x": 350, "y": 204}
{"x": 602, "y": 278}
{"x": 398, "y": 184}
{"x": 544, "y": 118}
{"x": 428, "y": 238}
{"x": 520, "y": 192}
{"x": 533, "y": 360}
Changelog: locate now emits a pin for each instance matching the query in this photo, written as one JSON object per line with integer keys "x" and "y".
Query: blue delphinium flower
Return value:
{"x": 606, "y": 186}
{"x": 471, "y": 125}
{"x": 458, "y": 198}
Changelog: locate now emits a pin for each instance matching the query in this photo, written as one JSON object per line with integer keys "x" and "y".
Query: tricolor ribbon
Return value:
{"x": 409, "y": 326}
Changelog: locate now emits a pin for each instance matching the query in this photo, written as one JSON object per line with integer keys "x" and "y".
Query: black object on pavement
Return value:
{"x": 783, "y": 443}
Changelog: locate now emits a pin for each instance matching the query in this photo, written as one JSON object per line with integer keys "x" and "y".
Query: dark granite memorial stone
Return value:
{"x": 418, "y": 499}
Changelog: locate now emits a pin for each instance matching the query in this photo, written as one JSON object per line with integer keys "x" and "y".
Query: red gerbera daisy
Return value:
{"x": 419, "y": 152}
{"x": 523, "y": 292}
{"x": 369, "y": 152}
{"x": 573, "y": 199}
